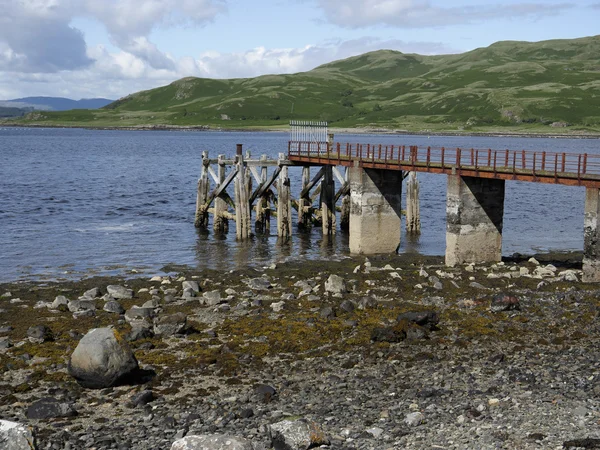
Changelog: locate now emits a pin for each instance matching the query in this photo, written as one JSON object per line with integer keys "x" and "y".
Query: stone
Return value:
{"x": 426, "y": 319}
{"x": 586, "y": 443}
{"x": 170, "y": 324}
{"x": 58, "y": 301}
{"x": 113, "y": 306}
{"x": 335, "y": 285}
{"x": 414, "y": 419}
{"x": 278, "y": 306}
{"x": 212, "y": 298}
{"x": 193, "y": 285}
{"x": 91, "y": 293}
{"x": 39, "y": 334}
{"x": 101, "y": 359}
{"x": 212, "y": 442}
{"x": 119, "y": 292}
{"x": 139, "y": 332}
{"x": 347, "y": 306}
{"x": 81, "y": 305}
{"x": 265, "y": 393}
{"x": 299, "y": 434}
{"x": 141, "y": 398}
{"x": 259, "y": 284}
{"x": 388, "y": 334}
{"x": 504, "y": 302}
{"x": 136, "y": 313}
{"x": 14, "y": 436}
{"x": 49, "y": 408}
{"x": 5, "y": 342}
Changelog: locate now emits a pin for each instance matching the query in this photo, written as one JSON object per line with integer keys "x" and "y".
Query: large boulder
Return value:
{"x": 212, "y": 442}
{"x": 14, "y": 436}
{"x": 49, "y": 408}
{"x": 101, "y": 359}
{"x": 170, "y": 325}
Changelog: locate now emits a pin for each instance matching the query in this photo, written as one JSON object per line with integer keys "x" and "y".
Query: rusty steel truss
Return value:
{"x": 571, "y": 169}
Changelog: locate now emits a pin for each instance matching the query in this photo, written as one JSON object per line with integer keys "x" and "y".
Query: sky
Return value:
{"x": 111, "y": 48}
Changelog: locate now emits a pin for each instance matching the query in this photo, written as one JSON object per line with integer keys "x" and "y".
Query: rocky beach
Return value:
{"x": 350, "y": 353}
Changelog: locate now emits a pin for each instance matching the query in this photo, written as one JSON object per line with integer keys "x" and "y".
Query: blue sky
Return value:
{"x": 110, "y": 48}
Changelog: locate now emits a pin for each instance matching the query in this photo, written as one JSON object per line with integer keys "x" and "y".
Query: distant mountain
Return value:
{"x": 56, "y": 103}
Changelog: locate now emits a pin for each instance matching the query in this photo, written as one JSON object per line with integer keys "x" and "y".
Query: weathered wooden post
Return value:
{"x": 413, "y": 213}
{"x": 220, "y": 221}
{"x": 201, "y": 220}
{"x": 328, "y": 201}
{"x": 242, "y": 203}
{"x": 304, "y": 204}
{"x": 284, "y": 202}
{"x": 263, "y": 211}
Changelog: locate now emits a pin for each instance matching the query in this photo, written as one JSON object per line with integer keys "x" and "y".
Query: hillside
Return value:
{"x": 541, "y": 87}
{"x": 56, "y": 103}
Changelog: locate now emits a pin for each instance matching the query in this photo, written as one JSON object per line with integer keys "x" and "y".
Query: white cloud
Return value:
{"x": 423, "y": 13}
{"x": 117, "y": 74}
{"x": 36, "y": 35}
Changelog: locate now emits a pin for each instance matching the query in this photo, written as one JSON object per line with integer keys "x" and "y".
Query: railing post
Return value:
{"x": 443, "y": 157}
{"x": 495, "y": 155}
{"x": 533, "y": 169}
{"x": 489, "y": 157}
{"x": 564, "y": 160}
{"x": 523, "y": 163}
{"x": 543, "y": 161}
{"x": 585, "y": 163}
{"x": 579, "y": 167}
{"x": 506, "y": 163}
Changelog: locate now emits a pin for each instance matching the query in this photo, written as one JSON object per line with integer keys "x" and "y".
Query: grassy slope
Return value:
{"x": 506, "y": 86}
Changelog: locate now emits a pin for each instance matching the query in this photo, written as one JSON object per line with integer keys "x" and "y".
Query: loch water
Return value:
{"x": 78, "y": 203}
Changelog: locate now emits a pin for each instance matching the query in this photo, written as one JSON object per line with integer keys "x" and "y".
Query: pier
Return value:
{"x": 370, "y": 179}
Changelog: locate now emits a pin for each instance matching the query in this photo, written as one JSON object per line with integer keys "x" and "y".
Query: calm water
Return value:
{"x": 80, "y": 203}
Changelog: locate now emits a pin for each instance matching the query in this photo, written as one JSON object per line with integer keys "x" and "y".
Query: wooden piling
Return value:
{"x": 413, "y": 213}
{"x": 201, "y": 219}
{"x": 242, "y": 203}
{"x": 304, "y": 204}
{"x": 220, "y": 221}
{"x": 262, "y": 219}
{"x": 284, "y": 202}
{"x": 328, "y": 201}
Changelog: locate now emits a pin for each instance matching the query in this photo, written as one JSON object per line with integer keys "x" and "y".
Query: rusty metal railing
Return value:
{"x": 548, "y": 167}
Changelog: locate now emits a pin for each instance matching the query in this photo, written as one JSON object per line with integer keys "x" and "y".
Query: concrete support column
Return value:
{"x": 591, "y": 236}
{"x": 375, "y": 210}
{"x": 474, "y": 213}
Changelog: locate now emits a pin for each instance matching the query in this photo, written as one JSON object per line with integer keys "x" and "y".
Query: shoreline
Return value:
{"x": 343, "y": 130}
{"x": 376, "y": 353}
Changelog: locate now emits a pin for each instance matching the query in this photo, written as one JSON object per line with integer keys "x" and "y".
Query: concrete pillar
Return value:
{"x": 375, "y": 210}
{"x": 474, "y": 212}
{"x": 591, "y": 236}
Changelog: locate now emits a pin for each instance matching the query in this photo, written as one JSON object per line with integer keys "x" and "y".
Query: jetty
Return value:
{"x": 369, "y": 192}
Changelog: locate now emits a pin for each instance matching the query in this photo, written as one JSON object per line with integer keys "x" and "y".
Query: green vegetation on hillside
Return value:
{"x": 550, "y": 86}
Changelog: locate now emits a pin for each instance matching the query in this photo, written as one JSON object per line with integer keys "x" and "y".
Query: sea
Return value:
{"x": 78, "y": 203}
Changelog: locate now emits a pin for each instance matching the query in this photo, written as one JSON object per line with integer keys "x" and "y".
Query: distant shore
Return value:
{"x": 335, "y": 130}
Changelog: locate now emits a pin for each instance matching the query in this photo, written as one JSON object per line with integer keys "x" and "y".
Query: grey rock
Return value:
{"x": 6, "y": 329}
{"x": 49, "y": 408}
{"x": 119, "y": 292}
{"x": 113, "y": 306}
{"x": 212, "y": 298}
{"x": 335, "y": 285}
{"x": 5, "y": 342}
{"x": 193, "y": 285}
{"x": 278, "y": 306}
{"x": 170, "y": 324}
{"x": 327, "y": 312}
{"x": 92, "y": 293}
{"x": 388, "y": 334}
{"x": 101, "y": 359}
{"x": 136, "y": 313}
{"x": 427, "y": 319}
{"x": 81, "y": 305}
{"x": 39, "y": 334}
{"x": 58, "y": 301}
{"x": 367, "y": 303}
{"x": 299, "y": 434}
{"x": 212, "y": 442}
{"x": 14, "y": 436}
{"x": 414, "y": 419}
{"x": 152, "y": 304}
{"x": 139, "y": 332}
{"x": 142, "y": 398}
{"x": 259, "y": 284}
{"x": 347, "y": 306}
{"x": 265, "y": 393}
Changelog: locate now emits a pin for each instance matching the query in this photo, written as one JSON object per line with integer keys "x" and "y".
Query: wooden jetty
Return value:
{"x": 370, "y": 179}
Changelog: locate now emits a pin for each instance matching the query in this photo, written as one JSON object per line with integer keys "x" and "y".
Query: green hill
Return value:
{"x": 539, "y": 87}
